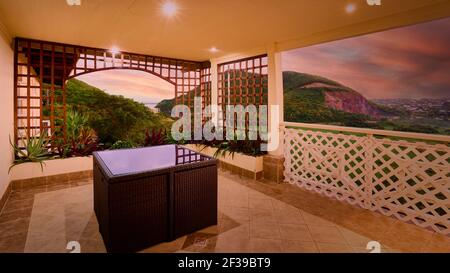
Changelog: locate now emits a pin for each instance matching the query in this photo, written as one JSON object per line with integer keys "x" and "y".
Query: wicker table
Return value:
{"x": 146, "y": 196}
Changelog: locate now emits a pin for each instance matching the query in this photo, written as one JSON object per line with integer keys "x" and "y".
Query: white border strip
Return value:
{"x": 442, "y": 138}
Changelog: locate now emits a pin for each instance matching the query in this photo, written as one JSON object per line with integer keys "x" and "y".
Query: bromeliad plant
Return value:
{"x": 33, "y": 149}
{"x": 81, "y": 139}
{"x": 155, "y": 137}
{"x": 85, "y": 143}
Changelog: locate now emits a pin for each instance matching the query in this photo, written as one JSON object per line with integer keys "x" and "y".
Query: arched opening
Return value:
{"x": 117, "y": 106}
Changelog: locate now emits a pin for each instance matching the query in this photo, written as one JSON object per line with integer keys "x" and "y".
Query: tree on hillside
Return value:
{"x": 113, "y": 117}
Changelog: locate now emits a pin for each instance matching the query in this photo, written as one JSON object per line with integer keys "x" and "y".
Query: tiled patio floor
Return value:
{"x": 253, "y": 217}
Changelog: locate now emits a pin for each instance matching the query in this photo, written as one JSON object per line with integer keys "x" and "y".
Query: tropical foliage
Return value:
{"x": 113, "y": 117}
{"x": 155, "y": 137}
{"x": 35, "y": 149}
{"x": 123, "y": 144}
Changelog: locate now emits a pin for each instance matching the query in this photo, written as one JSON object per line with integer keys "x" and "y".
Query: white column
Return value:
{"x": 275, "y": 93}
{"x": 214, "y": 88}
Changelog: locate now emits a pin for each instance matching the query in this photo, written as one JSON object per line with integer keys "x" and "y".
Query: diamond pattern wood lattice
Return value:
{"x": 404, "y": 179}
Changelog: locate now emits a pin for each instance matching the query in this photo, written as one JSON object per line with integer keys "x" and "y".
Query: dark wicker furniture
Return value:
{"x": 146, "y": 196}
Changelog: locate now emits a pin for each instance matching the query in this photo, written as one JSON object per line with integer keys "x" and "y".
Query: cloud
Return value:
{"x": 138, "y": 85}
{"x": 411, "y": 62}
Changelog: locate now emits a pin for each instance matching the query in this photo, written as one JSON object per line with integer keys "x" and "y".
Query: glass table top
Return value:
{"x": 128, "y": 161}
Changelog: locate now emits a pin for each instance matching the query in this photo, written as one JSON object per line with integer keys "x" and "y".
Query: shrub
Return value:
{"x": 35, "y": 150}
{"x": 123, "y": 144}
{"x": 155, "y": 137}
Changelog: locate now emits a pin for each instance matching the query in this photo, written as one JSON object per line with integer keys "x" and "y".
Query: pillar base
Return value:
{"x": 273, "y": 168}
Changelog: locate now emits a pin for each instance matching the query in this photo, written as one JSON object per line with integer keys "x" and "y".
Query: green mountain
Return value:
{"x": 113, "y": 117}
{"x": 165, "y": 106}
{"x": 314, "y": 99}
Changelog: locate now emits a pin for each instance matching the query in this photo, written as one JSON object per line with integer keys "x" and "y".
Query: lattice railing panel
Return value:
{"x": 403, "y": 179}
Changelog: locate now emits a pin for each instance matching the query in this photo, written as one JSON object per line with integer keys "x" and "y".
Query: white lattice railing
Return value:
{"x": 405, "y": 178}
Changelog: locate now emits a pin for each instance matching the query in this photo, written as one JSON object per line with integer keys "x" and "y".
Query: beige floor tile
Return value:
{"x": 168, "y": 247}
{"x": 291, "y": 246}
{"x": 295, "y": 232}
{"x": 280, "y": 205}
{"x": 292, "y": 216}
{"x": 260, "y": 203}
{"x": 259, "y": 245}
{"x": 264, "y": 230}
{"x": 236, "y": 201}
{"x": 211, "y": 230}
{"x": 262, "y": 215}
{"x": 354, "y": 239}
{"x": 236, "y": 213}
{"x": 359, "y": 250}
{"x": 407, "y": 238}
{"x": 325, "y": 234}
{"x": 311, "y": 219}
{"x": 254, "y": 216}
{"x": 334, "y": 248}
{"x": 13, "y": 243}
{"x": 235, "y": 240}
{"x": 200, "y": 242}
{"x": 437, "y": 244}
{"x": 92, "y": 246}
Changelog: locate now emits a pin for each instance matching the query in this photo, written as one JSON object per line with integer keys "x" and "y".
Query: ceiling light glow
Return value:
{"x": 115, "y": 50}
{"x": 169, "y": 8}
{"x": 350, "y": 8}
{"x": 213, "y": 49}
{"x": 73, "y": 2}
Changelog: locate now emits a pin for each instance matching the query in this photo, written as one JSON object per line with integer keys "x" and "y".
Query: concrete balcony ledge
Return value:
{"x": 240, "y": 164}
{"x": 54, "y": 171}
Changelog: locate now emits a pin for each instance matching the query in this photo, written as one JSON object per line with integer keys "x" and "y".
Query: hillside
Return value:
{"x": 314, "y": 99}
{"x": 165, "y": 106}
{"x": 112, "y": 117}
{"x": 331, "y": 94}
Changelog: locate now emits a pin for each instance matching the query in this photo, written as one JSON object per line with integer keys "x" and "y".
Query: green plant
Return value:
{"x": 122, "y": 144}
{"x": 81, "y": 139}
{"x": 85, "y": 143}
{"x": 61, "y": 148}
{"x": 75, "y": 123}
{"x": 112, "y": 117}
{"x": 224, "y": 147}
{"x": 155, "y": 137}
{"x": 33, "y": 149}
{"x": 170, "y": 140}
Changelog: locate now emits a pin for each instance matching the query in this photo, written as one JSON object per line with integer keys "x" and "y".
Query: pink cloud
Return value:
{"x": 406, "y": 62}
{"x": 137, "y": 85}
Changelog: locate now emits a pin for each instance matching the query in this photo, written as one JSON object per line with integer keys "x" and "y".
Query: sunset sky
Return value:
{"x": 409, "y": 62}
{"x": 137, "y": 85}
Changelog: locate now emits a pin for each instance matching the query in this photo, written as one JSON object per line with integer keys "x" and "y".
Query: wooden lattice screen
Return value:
{"x": 42, "y": 69}
{"x": 243, "y": 82}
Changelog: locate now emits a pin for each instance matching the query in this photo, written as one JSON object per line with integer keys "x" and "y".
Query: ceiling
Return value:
{"x": 232, "y": 26}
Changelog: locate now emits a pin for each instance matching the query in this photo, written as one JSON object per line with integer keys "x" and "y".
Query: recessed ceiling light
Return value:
{"x": 350, "y": 8}
{"x": 213, "y": 49}
{"x": 73, "y": 2}
{"x": 169, "y": 8}
{"x": 114, "y": 50}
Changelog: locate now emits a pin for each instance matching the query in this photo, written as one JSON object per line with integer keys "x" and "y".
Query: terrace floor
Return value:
{"x": 253, "y": 217}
